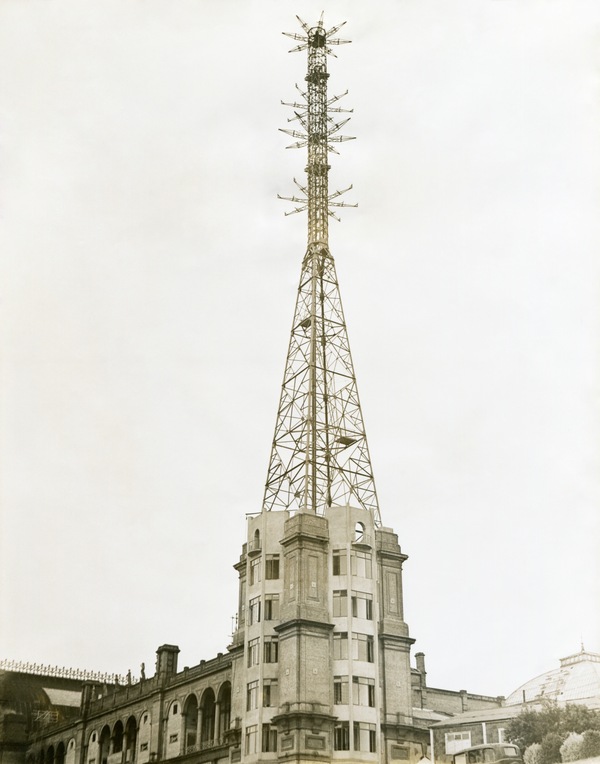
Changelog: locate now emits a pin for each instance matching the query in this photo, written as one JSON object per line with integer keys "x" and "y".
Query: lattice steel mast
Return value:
{"x": 320, "y": 455}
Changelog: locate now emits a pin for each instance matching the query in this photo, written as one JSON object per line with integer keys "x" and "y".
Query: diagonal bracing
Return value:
{"x": 319, "y": 456}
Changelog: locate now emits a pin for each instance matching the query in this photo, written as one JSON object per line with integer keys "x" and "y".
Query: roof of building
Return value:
{"x": 577, "y": 680}
{"x": 480, "y": 715}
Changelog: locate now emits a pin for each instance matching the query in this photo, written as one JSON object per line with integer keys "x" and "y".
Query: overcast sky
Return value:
{"x": 148, "y": 279}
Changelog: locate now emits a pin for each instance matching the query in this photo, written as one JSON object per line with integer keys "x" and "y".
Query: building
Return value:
{"x": 319, "y": 665}
{"x": 576, "y": 680}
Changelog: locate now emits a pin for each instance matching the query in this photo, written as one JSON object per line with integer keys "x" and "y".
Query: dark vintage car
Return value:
{"x": 491, "y": 753}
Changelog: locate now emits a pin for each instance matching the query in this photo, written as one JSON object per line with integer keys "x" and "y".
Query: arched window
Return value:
{"x": 131, "y": 740}
{"x": 224, "y": 708}
{"x": 60, "y": 754}
{"x": 104, "y": 745}
{"x": 190, "y": 724}
{"x": 207, "y": 704}
{"x": 359, "y": 532}
{"x": 117, "y": 737}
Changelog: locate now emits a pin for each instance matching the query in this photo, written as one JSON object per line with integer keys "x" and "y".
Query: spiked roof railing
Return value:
{"x": 319, "y": 456}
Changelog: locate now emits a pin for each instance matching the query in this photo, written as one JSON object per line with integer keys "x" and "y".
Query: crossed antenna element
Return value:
{"x": 320, "y": 130}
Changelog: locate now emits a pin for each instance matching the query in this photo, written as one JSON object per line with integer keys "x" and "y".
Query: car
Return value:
{"x": 490, "y": 753}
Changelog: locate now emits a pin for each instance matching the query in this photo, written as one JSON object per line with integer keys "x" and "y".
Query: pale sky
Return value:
{"x": 148, "y": 279}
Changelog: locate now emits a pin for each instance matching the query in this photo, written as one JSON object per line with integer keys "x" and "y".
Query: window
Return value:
{"x": 253, "y": 652}
{"x": 361, "y": 564}
{"x": 173, "y": 738}
{"x": 271, "y": 653}
{"x": 251, "y": 738}
{"x": 93, "y": 737}
{"x": 340, "y": 567}
{"x": 359, "y": 533}
{"x": 475, "y": 757}
{"x": 363, "y": 692}
{"x": 362, "y": 605}
{"x": 501, "y": 735}
{"x": 145, "y": 718}
{"x": 272, "y": 567}
{"x": 365, "y": 737}
{"x": 252, "y": 696}
{"x": 254, "y": 611}
{"x": 255, "y": 571}
{"x": 270, "y": 693}
{"x": 174, "y": 709}
{"x": 143, "y": 746}
{"x": 457, "y": 741}
{"x": 341, "y": 736}
{"x": 242, "y": 601}
{"x": 340, "y": 646}
{"x": 362, "y": 648}
{"x": 340, "y": 692}
{"x": 271, "y": 607}
{"x": 340, "y": 604}
{"x": 269, "y": 738}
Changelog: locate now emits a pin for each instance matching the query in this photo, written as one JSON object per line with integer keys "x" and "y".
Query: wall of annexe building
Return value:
{"x": 165, "y": 717}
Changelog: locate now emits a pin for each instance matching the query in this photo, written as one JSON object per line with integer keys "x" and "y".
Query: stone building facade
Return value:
{"x": 318, "y": 668}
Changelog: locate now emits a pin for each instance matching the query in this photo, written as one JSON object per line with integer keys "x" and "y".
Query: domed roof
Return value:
{"x": 576, "y": 681}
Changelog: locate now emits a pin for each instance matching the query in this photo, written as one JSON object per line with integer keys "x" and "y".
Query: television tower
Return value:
{"x": 319, "y": 456}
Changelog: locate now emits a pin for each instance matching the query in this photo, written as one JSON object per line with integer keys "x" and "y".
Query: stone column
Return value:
{"x": 217, "y": 730}
{"x": 199, "y": 728}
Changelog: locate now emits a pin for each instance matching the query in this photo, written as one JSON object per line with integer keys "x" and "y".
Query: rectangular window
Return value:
{"x": 363, "y": 691}
{"x": 252, "y": 696}
{"x": 271, "y": 650}
{"x": 365, "y": 737}
{"x": 242, "y": 602}
{"x": 272, "y": 567}
{"x": 269, "y": 738}
{"x": 253, "y": 652}
{"x": 340, "y": 567}
{"x": 501, "y": 735}
{"x": 361, "y": 564}
{"x": 143, "y": 746}
{"x": 255, "y": 571}
{"x": 251, "y": 739}
{"x": 271, "y": 607}
{"x": 340, "y": 646}
{"x": 340, "y": 691}
{"x": 254, "y": 611}
{"x": 340, "y": 603}
{"x": 362, "y": 648}
{"x": 362, "y": 605}
{"x": 457, "y": 741}
{"x": 270, "y": 693}
{"x": 173, "y": 738}
{"x": 341, "y": 736}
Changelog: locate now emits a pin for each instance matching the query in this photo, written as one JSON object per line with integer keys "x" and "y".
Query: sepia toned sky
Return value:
{"x": 147, "y": 284}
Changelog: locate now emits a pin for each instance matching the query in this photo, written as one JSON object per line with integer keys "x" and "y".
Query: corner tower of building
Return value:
{"x": 321, "y": 649}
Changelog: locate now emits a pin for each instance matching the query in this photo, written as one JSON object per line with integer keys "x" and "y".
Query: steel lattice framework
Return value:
{"x": 320, "y": 455}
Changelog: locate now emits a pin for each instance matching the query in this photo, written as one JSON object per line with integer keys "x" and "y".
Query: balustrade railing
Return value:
{"x": 62, "y": 672}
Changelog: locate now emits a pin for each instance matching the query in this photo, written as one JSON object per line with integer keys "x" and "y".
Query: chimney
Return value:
{"x": 166, "y": 661}
{"x": 420, "y": 659}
